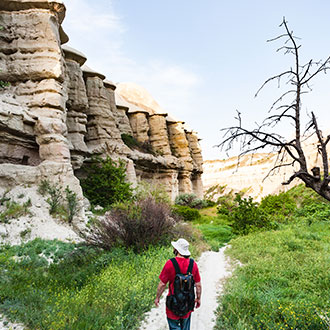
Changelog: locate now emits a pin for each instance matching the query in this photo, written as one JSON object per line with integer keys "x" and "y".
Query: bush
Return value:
{"x": 187, "y": 213}
{"x": 226, "y": 203}
{"x": 105, "y": 182}
{"x": 190, "y": 200}
{"x": 133, "y": 225}
{"x": 145, "y": 189}
{"x": 281, "y": 205}
{"x": 247, "y": 217}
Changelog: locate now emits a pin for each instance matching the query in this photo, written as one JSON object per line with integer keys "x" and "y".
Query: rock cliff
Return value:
{"x": 57, "y": 112}
{"x": 251, "y": 174}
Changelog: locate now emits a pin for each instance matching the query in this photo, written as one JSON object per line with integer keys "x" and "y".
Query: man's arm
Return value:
{"x": 198, "y": 294}
{"x": 160, "y": 289}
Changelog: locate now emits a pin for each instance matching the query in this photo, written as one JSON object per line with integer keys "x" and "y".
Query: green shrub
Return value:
{"x": 278, "y": 205}
{"x": 132, "y": 143}
{"x": 71, "y": 198}
{"x": 157, "y": 191}
{"x": 187, "y": 213}
{"x": 54, "y": 200}
{"x": 226, "y": 203}
{"x": 64, "y": 207}
{"x": 191, "y": 201}
{"x": 136, "y": 225}
{"x": 105, "y": 183}
{"x": 14, "y": 210}
{"x": 247, "y": 217}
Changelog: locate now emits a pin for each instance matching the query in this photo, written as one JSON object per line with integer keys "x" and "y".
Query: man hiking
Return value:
{"x": 183, "y": 276}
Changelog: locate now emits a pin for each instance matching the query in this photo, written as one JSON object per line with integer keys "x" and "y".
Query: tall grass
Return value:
{"x": 283, "y": 283}
{"x": 56, "y": 285}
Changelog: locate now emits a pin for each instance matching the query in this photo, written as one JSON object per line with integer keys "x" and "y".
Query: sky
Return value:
{"x": 203, "y": 60}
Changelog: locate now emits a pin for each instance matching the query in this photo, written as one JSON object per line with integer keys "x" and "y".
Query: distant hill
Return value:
{"x": 251, "y": 173}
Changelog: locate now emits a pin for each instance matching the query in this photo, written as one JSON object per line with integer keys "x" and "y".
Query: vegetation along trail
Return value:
{"x": 214, "y": 268}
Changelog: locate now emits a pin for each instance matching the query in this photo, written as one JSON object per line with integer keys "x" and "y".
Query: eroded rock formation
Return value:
{"x": 58, "y": 112}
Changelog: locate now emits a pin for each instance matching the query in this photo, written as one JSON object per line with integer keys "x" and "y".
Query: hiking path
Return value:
{"x": 214, "y": 268}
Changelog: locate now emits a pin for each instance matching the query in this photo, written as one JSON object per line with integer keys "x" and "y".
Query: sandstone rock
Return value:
{"x": 195, "y": 149}
{"x": 77, "y": 105}
{"x": 122, "y": 120}
{"x": 36, "y": 69}
{"x": 140, "y": 97}
{"x": 139, "y": 124}
{"x": 179, "y": 143}
{"x": 158, "y": 134}
{"x": 102, "y": 132}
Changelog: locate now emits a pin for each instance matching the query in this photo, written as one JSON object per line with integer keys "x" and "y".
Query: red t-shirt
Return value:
{"x": 168, "y": 275}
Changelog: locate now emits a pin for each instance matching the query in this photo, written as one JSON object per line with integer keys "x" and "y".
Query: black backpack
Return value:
{"x": 182, "y": 300}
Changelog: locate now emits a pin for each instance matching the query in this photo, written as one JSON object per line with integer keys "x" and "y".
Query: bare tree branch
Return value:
{"x": 288, "y": 152}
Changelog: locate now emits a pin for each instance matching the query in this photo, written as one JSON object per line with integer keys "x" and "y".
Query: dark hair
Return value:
{"x": 176, "y": 252}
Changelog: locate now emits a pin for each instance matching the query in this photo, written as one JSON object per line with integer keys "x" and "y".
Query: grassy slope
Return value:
{"x": 284, "y": 282}
{"x": 83, "y": 289}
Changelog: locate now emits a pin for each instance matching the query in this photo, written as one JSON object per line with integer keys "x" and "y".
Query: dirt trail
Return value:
{"x": 213, "y": 267}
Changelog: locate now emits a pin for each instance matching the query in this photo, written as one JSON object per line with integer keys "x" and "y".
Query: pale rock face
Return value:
{"x": 17, "y": 141}
{"x": 140, "y": 126}
{"x": 251, "y": 174}
{"x": 77, "y": 105}
{"x": 158, "y": 134}
{"x": 196, "y": 151}
{"x": 32, "y": 39}
{"x": 35, "y": 67}
{"x": 140, "y": 97}
{"x": 122, "y": 121}
{"x": 197, "y": 185}
{"x": 185, "y": 183}
{"x": 179, "y": 144}
{"x": 102, "y": 132}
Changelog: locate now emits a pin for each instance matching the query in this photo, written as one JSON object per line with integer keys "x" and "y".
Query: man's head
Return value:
{"x": 182, "y": 247}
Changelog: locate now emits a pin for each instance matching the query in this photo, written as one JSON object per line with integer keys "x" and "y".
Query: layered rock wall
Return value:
{"x": 59, "y": 111}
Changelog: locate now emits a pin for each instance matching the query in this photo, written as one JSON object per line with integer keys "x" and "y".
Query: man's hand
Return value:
{"x": 160, "y": 289}
{"x": 198, "y": 294}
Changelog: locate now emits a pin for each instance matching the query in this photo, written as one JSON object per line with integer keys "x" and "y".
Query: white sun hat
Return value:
{"x": 181, "y": 245}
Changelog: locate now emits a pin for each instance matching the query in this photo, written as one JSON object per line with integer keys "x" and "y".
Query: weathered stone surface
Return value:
{"x": 77, "y": 105}
{"x": 140, "y": 126}
{"x": 158, "y": 134}
{"x": 31, "y": 59}
{"x": 102, "y": 132}
{"x": 195, "y": 150}
{"x": 251, "y": 174}
{"x": 30, "y": 46}
{"x": 179, "y": 143}
{"x": 122, "y": 120}
{"x": 140, "y": 97}
{"x": 17, "y": 139}
{"x": 61, "y": 111}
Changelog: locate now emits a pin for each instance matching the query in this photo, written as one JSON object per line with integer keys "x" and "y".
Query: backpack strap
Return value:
{"x": 176, "y": 266}
{"x": 190, "y": 267}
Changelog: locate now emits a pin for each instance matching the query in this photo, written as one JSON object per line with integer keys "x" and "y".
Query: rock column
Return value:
{"x": 158, "y": 134}
{"x": 103, "y": 135}
{"x": 138, "y": 119}
{"x": 180, "y": 149}
{"x": 196, "y": 154}
{"x": 32, "y": 36}
{"x": 77, "y": 106}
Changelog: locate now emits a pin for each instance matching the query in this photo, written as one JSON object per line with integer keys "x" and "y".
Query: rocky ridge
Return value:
{"x": 57, "y": 112}
{"x": 252, "y": 173}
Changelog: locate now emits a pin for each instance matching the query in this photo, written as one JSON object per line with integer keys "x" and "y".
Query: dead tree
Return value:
{"x": 291, "y": 152}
